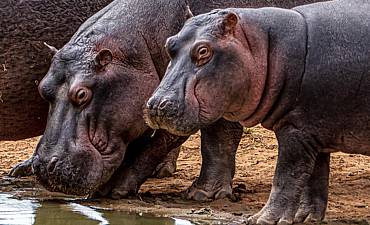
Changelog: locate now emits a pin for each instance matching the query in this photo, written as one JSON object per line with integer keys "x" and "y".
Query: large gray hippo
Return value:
{"x": 24, "y": 59}
{"x": 97, "y": 85}
{"x": 303, "y": 73}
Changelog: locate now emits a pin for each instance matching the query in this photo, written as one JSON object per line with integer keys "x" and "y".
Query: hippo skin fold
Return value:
{"x": 97, "y": 85}
{"x": 24, "y": 60}
{"x": 303, "y": 73}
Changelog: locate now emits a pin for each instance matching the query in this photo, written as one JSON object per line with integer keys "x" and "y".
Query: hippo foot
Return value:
{"x": 121, "y": 193}
{"x": 311, "y": 209}
{"x": 310, "y": 213}
{"x": 23, "y": 169}
{"x": 166, "y": 169}
{"x": 121, "y": 185}
{"x": 204, "y": 192}
{"x": 272, "y": 215}
{"x": 127, "y": 186}
{"x": 314, "y": 199}
{"x": 281, "y": 215}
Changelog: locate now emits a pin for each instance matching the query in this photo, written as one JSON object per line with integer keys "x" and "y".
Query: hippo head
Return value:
{"x": 96, "y": 93}
{"x": 209, "y": 76}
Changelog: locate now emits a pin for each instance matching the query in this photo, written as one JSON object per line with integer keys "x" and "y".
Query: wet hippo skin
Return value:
{"x": 303, "y": 73}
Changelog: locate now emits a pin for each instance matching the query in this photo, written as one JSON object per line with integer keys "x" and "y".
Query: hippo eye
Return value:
{"x": 203, "y": 55}
{"x": 81, "y": 96}
{"x": 203, "y": 52}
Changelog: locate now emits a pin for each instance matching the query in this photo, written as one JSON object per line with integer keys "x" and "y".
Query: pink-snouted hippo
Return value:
{"x": 303, "y": 73}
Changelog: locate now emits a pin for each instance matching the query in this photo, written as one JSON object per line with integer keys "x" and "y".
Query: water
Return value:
{"x": 25, "y": 212}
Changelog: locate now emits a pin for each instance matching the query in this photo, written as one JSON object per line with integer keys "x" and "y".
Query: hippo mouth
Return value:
{"x": 79, "y": 167}
{"x": 60, "y": 176}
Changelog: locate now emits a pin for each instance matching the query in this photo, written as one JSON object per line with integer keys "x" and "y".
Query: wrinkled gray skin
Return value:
{"x": 24, "y": 60}
{"x": 303, "y": 73}
{"x": 97, "y": 85}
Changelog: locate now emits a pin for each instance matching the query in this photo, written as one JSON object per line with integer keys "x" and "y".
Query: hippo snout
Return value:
{"x": 164, "y": 107}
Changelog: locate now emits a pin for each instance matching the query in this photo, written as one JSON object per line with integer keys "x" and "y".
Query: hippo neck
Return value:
{"x": 285, "y": 62}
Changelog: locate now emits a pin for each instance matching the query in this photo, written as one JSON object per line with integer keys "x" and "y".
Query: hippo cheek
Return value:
{"x": 211, "y": 102}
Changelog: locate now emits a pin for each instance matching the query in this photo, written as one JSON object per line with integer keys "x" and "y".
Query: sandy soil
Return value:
{"x": 349, "y": 198}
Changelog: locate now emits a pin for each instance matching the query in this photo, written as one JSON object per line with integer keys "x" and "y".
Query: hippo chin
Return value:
{"x": 97, "y": 86}
{"x": 303, "y": 73}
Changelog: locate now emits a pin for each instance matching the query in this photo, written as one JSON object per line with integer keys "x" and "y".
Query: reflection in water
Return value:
{"x": 89, "y": 213}
{"x": 14, "y": 211}
{"x": 181, "y": 222}
{"x": 29, "y": 212}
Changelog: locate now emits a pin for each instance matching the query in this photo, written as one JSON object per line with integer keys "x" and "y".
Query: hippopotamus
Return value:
{"x": 97, "y": 86}
{"x": 24, "y": 59}
{"x": 303, "y": 73}
{"x": 26, "y": 49}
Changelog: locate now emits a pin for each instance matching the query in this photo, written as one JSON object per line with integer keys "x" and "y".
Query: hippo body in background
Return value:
{"x": 97, "y": 85}
{"x": 303, "y": 73}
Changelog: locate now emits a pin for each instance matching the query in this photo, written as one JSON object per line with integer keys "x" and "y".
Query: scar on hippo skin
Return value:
{"x": 308, "y": 81}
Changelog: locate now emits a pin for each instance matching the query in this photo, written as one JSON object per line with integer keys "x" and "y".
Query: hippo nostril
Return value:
{"x": 51, "y": 165}
{"x": 150, "y": 104}
{"x": 164, "y": 104}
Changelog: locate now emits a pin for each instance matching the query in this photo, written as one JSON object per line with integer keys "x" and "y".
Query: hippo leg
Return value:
{"x": 168, "y": 166}
{"x": 219, "y": 143}
{"x": 142, "y": 158}
{"x": 296, "y": 162}
{"x": 23, "y": 169}
{"x": 315, "y": 195}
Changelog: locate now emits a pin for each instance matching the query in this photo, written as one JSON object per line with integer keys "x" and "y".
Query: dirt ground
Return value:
{"x": 349, "y": 198}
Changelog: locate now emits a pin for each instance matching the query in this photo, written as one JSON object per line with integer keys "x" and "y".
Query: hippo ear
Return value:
{"x": 229, "y": 23}
{"x": 189, "y": 14}
{"x": 52, "y": 49}
{"x": 103, "y": 58}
